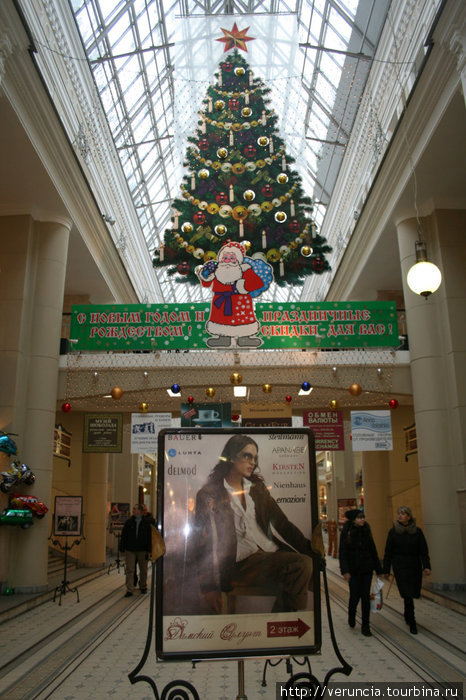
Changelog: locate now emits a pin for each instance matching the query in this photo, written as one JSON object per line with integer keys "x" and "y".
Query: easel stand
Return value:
{"x": 117, "y": 562}
{"x": 64, "y": 588}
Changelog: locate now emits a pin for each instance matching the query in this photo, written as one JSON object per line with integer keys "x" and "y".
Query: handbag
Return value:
{"x": 376, "y": 595}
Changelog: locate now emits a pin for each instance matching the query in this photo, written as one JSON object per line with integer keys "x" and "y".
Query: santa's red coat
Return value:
{"x": 231, "y": 313}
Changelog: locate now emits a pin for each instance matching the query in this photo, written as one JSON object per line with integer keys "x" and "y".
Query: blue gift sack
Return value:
{"x": 208, "y": 268}
{"x": 263, "y": 270}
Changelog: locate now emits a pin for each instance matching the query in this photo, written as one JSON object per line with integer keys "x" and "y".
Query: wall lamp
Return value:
{"x": 424, "y": 277}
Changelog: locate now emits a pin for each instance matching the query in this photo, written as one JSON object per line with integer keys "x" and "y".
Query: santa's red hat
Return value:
{"x": 232, "y": 247}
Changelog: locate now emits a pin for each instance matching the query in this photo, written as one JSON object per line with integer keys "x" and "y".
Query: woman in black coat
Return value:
{"x": 407, "y": 553}
{"x": 358, "y": 560}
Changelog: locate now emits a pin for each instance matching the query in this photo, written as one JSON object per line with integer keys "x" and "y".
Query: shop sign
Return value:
{"x": 371, "y": 430}
{"x": 327, "y": 427}
{"x": 103, "y": 432}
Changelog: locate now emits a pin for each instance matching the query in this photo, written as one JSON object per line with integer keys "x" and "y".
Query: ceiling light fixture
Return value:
{"x": 423, "y": 277}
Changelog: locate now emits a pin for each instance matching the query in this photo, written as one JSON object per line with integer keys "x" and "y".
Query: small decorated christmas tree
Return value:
{"x": 240, "y": 186}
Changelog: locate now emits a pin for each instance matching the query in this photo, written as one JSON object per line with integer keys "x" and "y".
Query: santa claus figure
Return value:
{"x": 232, "y": 280}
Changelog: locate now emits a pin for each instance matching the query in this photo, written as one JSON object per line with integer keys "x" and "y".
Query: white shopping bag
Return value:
{"x": 376, "y": 595}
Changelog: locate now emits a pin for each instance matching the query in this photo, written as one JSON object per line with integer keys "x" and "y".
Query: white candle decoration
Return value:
{"x": 193, "y": 181}
{"x": 203, "y": 127}
{"x": 241, "y": 229}
{"x": 283, "y": 163}
{"x": 264, "y": 120}
{"x": 271, "y": 145}
{"x": 231, "y": 141}
{"x": 292, "y": 209}
{"x": 161, "y": 252}
{"x": 210, "y": 104}
{"x": 282, "y": 268}
{"x": 246, "y": 98}
{"x": 231, "y": 194}
{"x": 220, "y": 79}
{"x": 264, "y": 240}
{"x": 250, "y": 77}
{"x": 175, "y": 222}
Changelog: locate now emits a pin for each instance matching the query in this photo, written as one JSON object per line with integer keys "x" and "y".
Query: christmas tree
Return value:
{"x": 240, "y": 186}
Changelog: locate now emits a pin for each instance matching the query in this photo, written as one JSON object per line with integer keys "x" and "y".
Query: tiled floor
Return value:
{"x": 100, "y": 669}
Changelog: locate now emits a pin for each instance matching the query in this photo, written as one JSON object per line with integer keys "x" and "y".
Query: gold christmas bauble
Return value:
{"x": 355, "y": 389}
{"x": 239, "y": 71}
{"x": 220, "y": 230}
{"x": 267, "y": 388}
{"x": 236, "y": 378}
{"x": 190, "y": 249}
{"x": 246, "y": 245}
{"x": 246, "y": 111}
{"x": 219, "y": 105}
{"x": 273, "y": 255}
{"x": 249, "y": 195}
{"x": 239, "y": 213}
{"x": 306, "y": 251}
{"x": 280, "y": 216}
{"x": 282, "y": 178}
{"x": 333, "y": 404}
{"x": 203, "y": 174}
{"x": 222, "y": 153}
{"x": 143, "y": 407}
{"x": 267, "y": 206}
{"x": 238, "y": 168}
{"x": 212, "y": 208}
{"x": 263, "y": 141}
{"x": 187, "y": 227}
{"x": 210, "y": 391}
{"x": 116, "y": 393}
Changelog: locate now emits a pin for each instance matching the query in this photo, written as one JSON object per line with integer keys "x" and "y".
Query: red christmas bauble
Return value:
{"x": 249, "y": 151}
{"x": 203, "y": 144}
{"x": 233, "y": 103}
{"x": 66, "y": 407}
{"x": 190, "y": 399}
{"x": 318, "y": 264}
{"x": 294, "y": 226}
{"x": 227, "y": 66}
{"x": 183, "y": 268}
{"x": 288, "y": 398}
{"x": 267, "y": 191}
{"x": 221, "y": 198}
{"x": 235, "y": 417}
{"x": 199, "y": 217}
{"x": 393, "y": 403}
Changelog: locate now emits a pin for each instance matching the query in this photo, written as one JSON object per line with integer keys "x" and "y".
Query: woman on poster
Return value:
{"x": 243, "y": 536}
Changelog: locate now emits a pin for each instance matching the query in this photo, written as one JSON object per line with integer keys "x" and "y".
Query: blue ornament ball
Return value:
{"x": 305, "y": 386}
{"x": 176, "y": 388}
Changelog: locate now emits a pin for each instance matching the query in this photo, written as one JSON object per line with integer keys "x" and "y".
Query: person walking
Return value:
{"x": 136, "y": 543}
{"x": 358, "y": 560}
{"x": 407, "y": 553}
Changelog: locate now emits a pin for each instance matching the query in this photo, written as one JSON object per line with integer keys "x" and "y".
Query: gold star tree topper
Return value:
{"x": 235, "y": 38}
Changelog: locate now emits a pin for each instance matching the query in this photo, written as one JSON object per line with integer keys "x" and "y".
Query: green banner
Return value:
{"x": 287, "y": 326}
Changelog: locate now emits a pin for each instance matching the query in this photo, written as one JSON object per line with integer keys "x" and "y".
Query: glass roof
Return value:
{"x": 153, "y": 60}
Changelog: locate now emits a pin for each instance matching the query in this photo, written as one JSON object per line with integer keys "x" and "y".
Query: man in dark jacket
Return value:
{"x": 358, "y": 560}
{"x": 136, "y": 543}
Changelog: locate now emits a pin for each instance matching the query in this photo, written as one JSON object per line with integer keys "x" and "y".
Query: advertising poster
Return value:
{"x": 119, "y": 514}
{"x": 206, "y": 415}
{"x": 328, "y": 429}
{"x": 145, "y": 429}
{"x": 68, "y": 515}
{"x": 237, "y": 508}
{"x": 371, "y": 430}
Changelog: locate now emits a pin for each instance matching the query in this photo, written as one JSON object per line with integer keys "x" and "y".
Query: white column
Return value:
{"x": 437, "y": 341}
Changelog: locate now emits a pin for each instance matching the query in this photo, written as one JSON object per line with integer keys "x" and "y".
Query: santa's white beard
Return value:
{"x": 227, "y": 273}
